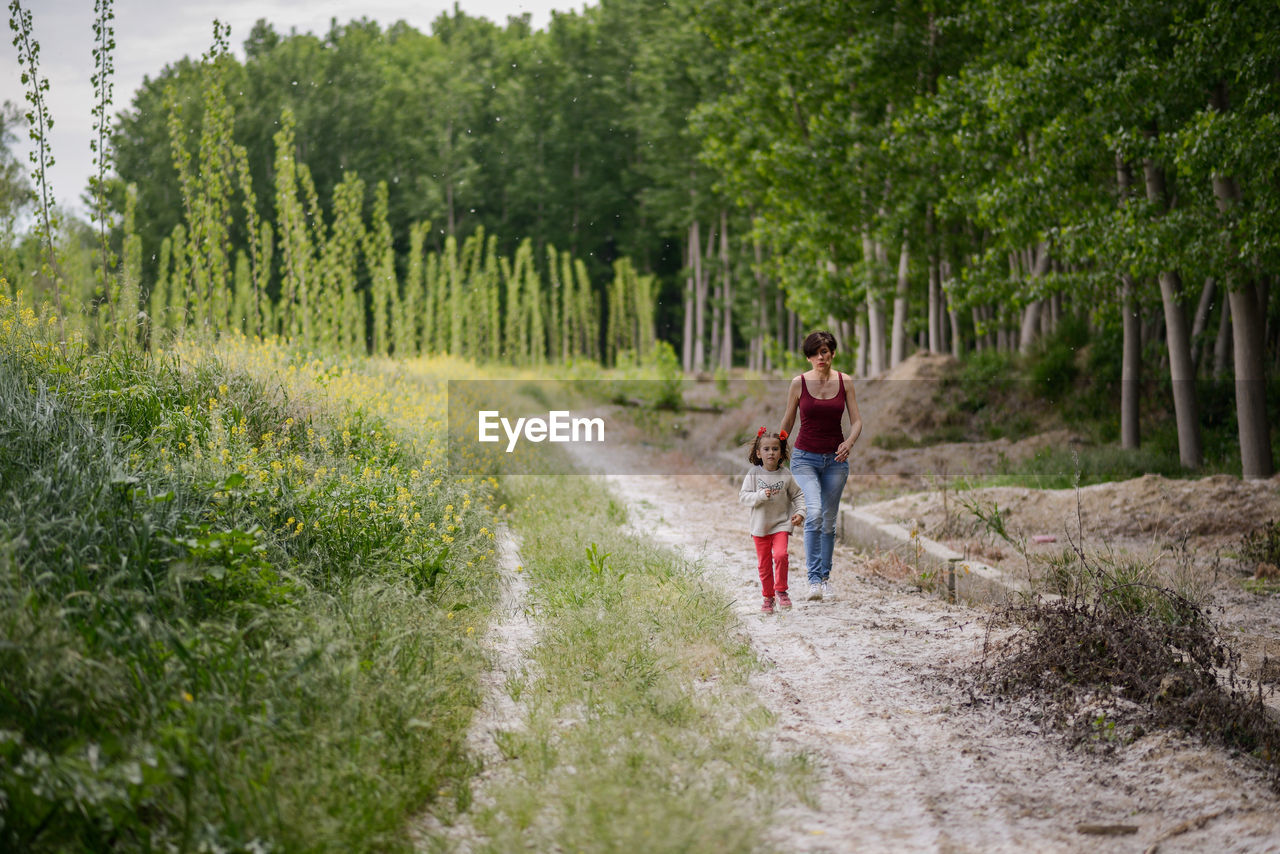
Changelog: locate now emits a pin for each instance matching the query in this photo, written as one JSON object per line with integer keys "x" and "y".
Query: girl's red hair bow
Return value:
{"x": 782, "y": 434}
{"x": 759, "y": 432}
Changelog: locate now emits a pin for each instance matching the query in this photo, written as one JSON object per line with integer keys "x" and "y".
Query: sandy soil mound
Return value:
{"x": 1212, "y": 513}
{"x": 902, "y": 399}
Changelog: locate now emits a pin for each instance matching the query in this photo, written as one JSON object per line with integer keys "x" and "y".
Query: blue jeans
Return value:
{"x": 822, "y": 480}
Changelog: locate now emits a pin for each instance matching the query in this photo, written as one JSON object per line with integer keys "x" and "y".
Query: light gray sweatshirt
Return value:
{"x": 773, "y": 514}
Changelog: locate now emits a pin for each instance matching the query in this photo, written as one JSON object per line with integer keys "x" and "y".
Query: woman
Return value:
{"x": 820, "y": 456}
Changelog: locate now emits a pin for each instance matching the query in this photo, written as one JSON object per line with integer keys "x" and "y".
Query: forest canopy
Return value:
{"x": 953, "y": 176}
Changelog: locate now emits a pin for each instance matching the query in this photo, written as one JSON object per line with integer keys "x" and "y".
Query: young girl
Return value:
{"x": 776, "y": 504}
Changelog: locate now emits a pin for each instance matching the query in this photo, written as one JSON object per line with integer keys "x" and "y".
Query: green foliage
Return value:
{"x": 1053, "y": 371}
{"x": 181, "y": 663}
{"x": 1262, "y": 544}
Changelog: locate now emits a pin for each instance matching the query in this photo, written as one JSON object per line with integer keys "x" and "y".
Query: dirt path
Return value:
{"x": 510, "y": 635}
{"x": 866, "y": 684}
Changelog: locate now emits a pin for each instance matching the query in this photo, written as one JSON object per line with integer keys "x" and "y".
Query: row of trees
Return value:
{"x": 986, "y": 165}
{"x": 326, "y": 277}
{"x": 954, "y": 176}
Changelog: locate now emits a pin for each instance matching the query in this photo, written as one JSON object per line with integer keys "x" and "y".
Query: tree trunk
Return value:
{"x": 943, "y": 331}
{"x": 875, "y": 319}
{"x": 947, "y": 276}
{"x": 846, "y": 342}
{"x": 1131, "y": 346}
{"x": 1031, "y": 314}
{"x": 699, "y": 307}
{"x": 762, "y": 316}
{"x": 1251, "y": 383}
{"x": 1222, "y": 344}
{"x": 860, "y": 332}
{"x": 780, "y": 320}
{"x": 899, "y": 351}
{"x": 1200, "y": 323}
{"x": 1131, "y": 365}
{"x": 1030, "y": 326}
{"x": 1181, "y": 371}
{"x": 726, "y": 341}
{"x": 690, "y": 286}
{"x": 1248, "y": 325}
{"x": 873, "y": 258}
{"x": 935, "y": 307}
{"x": 935, "y": 283}
{"x": 1177, "y": 341}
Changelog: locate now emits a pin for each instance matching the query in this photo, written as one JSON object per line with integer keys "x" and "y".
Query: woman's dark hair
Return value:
{"x": 753, "y": 454}
{"x": 814, "y": 343}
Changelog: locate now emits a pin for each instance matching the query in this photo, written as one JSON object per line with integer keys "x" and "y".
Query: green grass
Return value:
{"x": 641, "y": 731}
{"x": 196, "y": 651}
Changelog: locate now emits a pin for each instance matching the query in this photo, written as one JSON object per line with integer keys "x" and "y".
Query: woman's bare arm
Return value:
{"x": 855, "y": 421}
{"x": 793, "y": 402}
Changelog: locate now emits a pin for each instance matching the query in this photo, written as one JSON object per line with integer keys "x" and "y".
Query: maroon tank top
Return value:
{"x": 820, "y": 431}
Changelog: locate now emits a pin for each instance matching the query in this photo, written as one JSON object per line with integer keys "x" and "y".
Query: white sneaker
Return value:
{"x": 825, "y": 591}
{"x": 815, "y": 592}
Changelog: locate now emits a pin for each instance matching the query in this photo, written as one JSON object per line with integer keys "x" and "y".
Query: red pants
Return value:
{"x": 771, "y": 560}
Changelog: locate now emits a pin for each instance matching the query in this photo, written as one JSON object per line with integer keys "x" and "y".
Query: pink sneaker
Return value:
{"x": 784, "y": 601}
{"x": 767, "y": 606}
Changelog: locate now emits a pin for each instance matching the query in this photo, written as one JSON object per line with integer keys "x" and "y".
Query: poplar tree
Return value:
{"x": 431, "y": 304}
{"x": 453, "y": 304}
{"x": 175, "y": 314}
{"x": 125, "y": 304}
{"x": 380, "y": 263}
{"x": 297, "y": 255}
{"x": 493, "y": 298}
{"x": 100, "y": 148}
{"x": 514, "y": 337}
{"x": 341, "y": 261}
{"x": 159, "y": 299}
{"x": 533, "y": 324}
{"x": 417, "y": 301}
{"x": 41, "y": 155}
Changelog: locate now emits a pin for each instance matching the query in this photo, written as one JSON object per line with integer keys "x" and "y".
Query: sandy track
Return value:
{"x": 867, "y": 685}
{"x": 509, "y": 637}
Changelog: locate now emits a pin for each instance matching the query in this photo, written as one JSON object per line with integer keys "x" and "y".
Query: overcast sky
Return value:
{"x": 150, "y": 34}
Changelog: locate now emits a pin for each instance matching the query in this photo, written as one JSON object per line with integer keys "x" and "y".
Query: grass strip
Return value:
{"x": 642, "y": 733}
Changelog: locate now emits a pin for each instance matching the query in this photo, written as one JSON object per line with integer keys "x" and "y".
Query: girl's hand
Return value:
{"x": 797, "y": 519}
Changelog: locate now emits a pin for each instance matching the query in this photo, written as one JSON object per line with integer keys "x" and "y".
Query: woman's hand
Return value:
{"x": 842, "y": 451}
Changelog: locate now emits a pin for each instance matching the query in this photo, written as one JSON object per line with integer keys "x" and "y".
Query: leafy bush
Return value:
{"x": 985, "y": 376}
{"x": 1054, "y": 370}
{"x": 1262, "y": 544}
